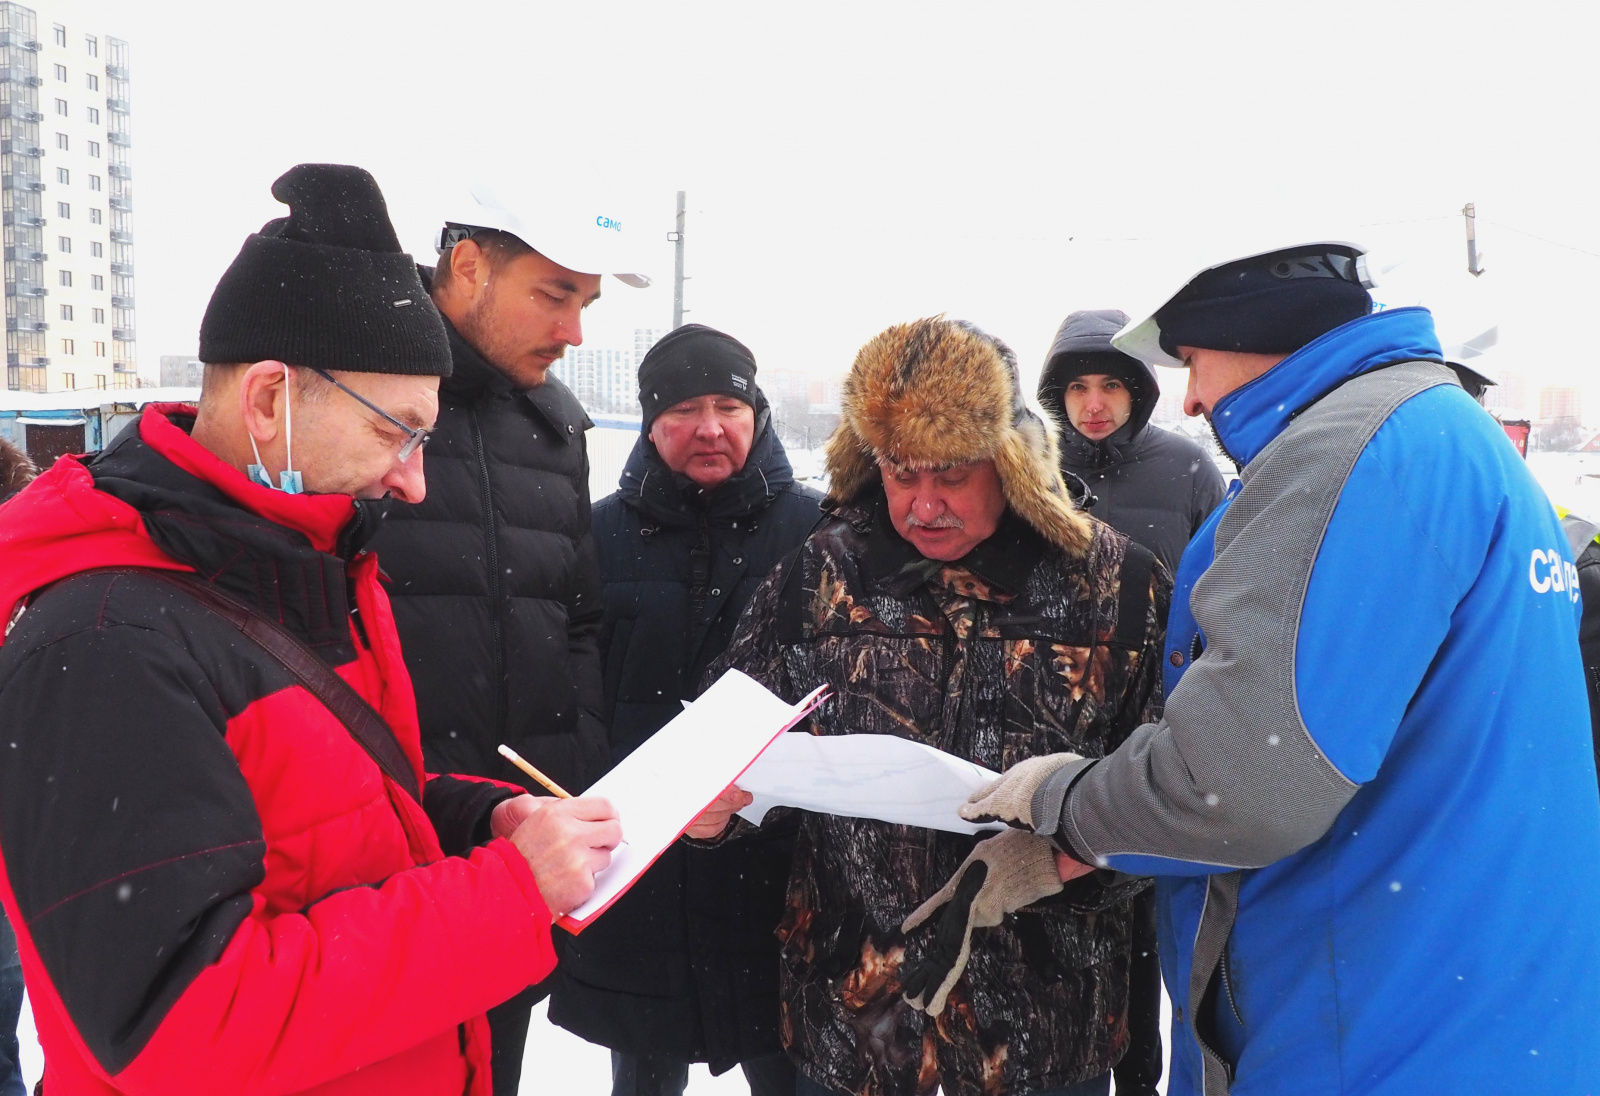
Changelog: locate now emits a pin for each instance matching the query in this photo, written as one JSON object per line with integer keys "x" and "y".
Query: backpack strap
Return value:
{"x": 1133, "y": 597}
{"x": 365, "y": 725}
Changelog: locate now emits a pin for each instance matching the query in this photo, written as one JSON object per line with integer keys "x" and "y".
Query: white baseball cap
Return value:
{"x": 587, "y": 234}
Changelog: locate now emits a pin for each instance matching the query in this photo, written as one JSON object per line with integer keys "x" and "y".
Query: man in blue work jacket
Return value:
{"x": 1369, "y": 806}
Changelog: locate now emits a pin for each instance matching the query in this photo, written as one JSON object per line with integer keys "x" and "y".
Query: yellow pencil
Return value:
{"x": 516, "y": 759}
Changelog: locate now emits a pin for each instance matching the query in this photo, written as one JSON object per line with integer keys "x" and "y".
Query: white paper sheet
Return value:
{"x": 865, "y": 776}
{"x": 664, "y": 785}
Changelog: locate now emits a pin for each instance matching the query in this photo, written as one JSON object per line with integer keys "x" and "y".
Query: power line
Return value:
{"x": 1543, "y": 239}
{"x": 1410, "y": 220}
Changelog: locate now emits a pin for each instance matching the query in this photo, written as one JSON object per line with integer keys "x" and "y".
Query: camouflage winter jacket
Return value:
{"x": 1015, "y": 651}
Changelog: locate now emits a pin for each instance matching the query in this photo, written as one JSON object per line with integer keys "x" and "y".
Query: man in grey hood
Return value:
{"x": 1150, "y": 484}
{"x": 1155, "y": 487}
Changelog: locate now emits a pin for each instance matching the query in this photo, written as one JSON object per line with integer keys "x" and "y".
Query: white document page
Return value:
{"x": 664, "y": 785}
{"x": 865, "y": 776}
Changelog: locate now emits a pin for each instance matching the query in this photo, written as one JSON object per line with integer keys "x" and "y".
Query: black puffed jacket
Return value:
{"x": 494, "y": 582}
{"x": 685, "y": 965}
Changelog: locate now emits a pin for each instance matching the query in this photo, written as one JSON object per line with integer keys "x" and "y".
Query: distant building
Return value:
{"x": 180, "y": 371}
{"x": 643, "y": 339}
{"x": 785, "y": 385}
{"x": 1508, "y": 399}
{"x": 606, "y": 380}
{"x": 1560, "y": 405}
{"x": 64, "y": 139}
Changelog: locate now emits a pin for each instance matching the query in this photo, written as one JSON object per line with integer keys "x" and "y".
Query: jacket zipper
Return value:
{"x": 1227, "y": 984}
{"x": 492, "y": 555}
{"x": 1196, "y": 1011}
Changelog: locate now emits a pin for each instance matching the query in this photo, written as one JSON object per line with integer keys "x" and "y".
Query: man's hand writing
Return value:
{"x": 565, "y": 843}
{"x": 508, "y": 814}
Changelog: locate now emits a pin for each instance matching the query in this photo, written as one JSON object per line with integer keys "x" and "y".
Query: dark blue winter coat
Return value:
{"x": 685, "y": 965}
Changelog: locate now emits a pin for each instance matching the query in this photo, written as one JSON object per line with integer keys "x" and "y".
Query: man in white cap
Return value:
{"x": 495, "y": 584}
{"x": 1369, "y": 803}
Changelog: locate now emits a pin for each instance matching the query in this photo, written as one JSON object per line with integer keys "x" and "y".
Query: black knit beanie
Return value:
{"x": 327, "y": 286}
{"x": 695, "y": 360}
{"x": 1267, "y": 304}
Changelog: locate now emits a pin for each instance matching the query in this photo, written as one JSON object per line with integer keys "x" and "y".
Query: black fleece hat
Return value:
{"x": 1267, "y": 304}
{"x": 696, "y": 360}
{"x": 327, "y": 286}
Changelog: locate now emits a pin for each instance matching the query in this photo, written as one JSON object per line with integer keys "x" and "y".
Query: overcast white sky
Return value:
{"x": 851, "y": 165}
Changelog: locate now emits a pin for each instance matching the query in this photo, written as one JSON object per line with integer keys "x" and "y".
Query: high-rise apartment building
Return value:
{"x": 607, "y": 380}
{"x": 1560, "y": 404}
{"x": 66, "y": 199}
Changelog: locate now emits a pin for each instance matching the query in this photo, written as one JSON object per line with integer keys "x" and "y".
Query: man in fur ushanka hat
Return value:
{"x": 953, "y": 596}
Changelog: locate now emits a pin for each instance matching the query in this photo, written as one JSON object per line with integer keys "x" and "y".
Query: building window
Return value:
{"x": 66, "y": 312}
{"x": 94, "y": 182}
{"x": 98, "y": 315}
{"x": 61, "y": 108}
{"x": 69, "y": 380}
{"x": 94, "y": 216}
{"x": 61, "y": 141}
{"x": 64, "y": 210}
{"x": 94, "y": 150}
{"x": 99, "y": 349}
{"x": 64, "y": 244}
{"x": 97, "y": 249}
{"x": 92, "y": 44}
{"x": 94, "y": 116}
{"x": 96, "y": 281}
{"x": 61, "y": 35}
{"x": 65, "y": 277}
{"x": 99, "y": 380}
{"x": 63, "y": 175}
{"x": 61, "y": 73}
{"x": 68, "y": 348}
{"x": 94, "y": 82}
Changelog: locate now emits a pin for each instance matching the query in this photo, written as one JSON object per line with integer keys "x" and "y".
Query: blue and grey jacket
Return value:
{"x": 1371, "y": 805}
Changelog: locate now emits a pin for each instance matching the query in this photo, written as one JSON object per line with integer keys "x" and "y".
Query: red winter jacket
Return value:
{"x": 214, "y": 888}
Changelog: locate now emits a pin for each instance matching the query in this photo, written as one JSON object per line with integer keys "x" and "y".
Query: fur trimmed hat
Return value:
{"x": 935, "y": 393}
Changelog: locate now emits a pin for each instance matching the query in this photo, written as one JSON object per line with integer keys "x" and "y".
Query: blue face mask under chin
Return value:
{"x": 289, "y": 480}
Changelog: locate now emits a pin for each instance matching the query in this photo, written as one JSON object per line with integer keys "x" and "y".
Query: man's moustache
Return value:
{"x": 944, "y": 521}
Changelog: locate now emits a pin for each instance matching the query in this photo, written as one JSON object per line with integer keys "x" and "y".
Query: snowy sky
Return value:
{"x": 851, "y": 165}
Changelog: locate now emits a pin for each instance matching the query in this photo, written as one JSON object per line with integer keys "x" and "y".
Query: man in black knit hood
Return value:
{"x": 1149, "y": 484}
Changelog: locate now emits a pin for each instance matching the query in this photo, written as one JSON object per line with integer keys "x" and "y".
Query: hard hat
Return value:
{"x": 588, "y": 235}
{"x": 1142, "y": 338}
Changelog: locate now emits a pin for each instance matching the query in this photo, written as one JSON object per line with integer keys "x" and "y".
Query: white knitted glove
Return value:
{"x": 1010, "y": 797}
{"x": 1000, "y": 876}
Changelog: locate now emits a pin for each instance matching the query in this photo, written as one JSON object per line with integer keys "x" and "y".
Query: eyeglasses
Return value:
{"x": 415, "y": 438}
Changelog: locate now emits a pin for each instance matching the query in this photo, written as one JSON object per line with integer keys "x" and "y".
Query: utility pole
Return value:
{"x": 677, "y": 268}
{"x": 1469, "y": 211}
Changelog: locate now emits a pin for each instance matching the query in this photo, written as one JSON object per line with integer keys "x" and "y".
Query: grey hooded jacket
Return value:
{"x": 1150, "y": 484}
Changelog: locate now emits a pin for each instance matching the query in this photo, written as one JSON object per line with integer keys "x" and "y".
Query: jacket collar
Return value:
{"x": 668, "y": 498}
{"x": 164, "y": 427}
{"x": 1251, "y": 416}
{"x": 156, "y": 498}
{"x": 1078, "y": 451}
